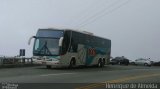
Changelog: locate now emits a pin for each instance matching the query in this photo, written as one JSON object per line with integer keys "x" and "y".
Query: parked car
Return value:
{"x": 114, "y": 61}
{"x": 131, "y": 62}
{"x": 142, "y": 61}
{"x": 119, "y": 60}
{"x": 124, "y": 61}
{"x": 156, "y": 63}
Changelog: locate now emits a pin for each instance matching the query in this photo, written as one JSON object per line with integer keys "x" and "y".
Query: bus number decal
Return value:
{"x": 92, "y": 52}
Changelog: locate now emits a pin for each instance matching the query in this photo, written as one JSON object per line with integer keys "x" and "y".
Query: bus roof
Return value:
{"x": 80, "y": 31}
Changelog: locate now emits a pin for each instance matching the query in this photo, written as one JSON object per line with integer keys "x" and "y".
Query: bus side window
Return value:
{"x": 66, "y": 42}
{"x": 74, "y": 42}
{"x": 74, "y": 46}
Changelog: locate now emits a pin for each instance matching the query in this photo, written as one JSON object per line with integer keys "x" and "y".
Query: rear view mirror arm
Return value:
{"x": 29, "y": 41}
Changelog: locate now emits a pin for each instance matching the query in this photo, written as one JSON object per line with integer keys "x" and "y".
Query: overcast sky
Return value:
{"x": 132, "y": 25}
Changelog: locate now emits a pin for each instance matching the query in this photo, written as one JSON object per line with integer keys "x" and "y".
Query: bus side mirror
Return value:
{"x": 29, "y": 41}
{"x": 60, "y": 41}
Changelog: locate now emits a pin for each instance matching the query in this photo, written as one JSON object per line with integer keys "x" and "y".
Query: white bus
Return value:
{"x": 70, "y": 48}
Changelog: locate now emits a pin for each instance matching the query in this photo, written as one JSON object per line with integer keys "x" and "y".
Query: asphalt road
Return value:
{"x": 78, "y": 78}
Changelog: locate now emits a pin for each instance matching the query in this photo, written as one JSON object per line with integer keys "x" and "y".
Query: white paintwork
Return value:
{"x": 142, "y": 62}
{"x": 60, "y": 41}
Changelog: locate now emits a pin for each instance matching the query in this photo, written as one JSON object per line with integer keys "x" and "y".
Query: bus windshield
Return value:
{"x": 46, "y": 47}
{"x": 47, "y": 42}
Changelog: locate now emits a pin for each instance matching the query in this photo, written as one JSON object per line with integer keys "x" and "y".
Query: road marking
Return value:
{"x": 95, "y": 85}
{"x": 57, "y": 74}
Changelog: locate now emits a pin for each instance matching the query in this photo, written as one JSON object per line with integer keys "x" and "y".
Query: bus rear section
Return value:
{"x": 88, "y": 49}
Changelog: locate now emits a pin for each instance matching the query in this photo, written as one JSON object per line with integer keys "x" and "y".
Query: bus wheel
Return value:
{"x": 104, "y": 62}
{"x": 72, "y": 63}
{"x": 100, "y": 63}
{"x": 48, "y": 67}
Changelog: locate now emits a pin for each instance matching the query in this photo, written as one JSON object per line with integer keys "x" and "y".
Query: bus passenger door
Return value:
{"x": 82, "y": 53}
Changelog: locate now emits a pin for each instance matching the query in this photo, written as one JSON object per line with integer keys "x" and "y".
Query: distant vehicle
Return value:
{"x": 114, "y": 61}
{"x": 131, "y": 62}
{"x": 69, "y": 48}
{"x": 119, "y": 60}
{"x": 141, "y": 61}
{"x": 156, "y": 63}
{"x": 124, "y": 62}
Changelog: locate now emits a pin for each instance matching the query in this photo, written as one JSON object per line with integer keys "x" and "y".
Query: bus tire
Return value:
{"x": 72, "y": 63}
{"x": 48, "y": 67}
{"x": 104, "y": 62}
{"x": 100, "y": 63}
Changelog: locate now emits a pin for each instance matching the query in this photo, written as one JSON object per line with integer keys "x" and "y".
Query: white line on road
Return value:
{"x": 57, "y": 74}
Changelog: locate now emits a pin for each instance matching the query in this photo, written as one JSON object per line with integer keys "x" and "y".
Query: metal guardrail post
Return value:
{"x": 13, "y": 61}
{"x": 31, "y": 60}
{"x": 27, "y": 60}
{"x": 23, "y": 60}
{"x": 1, "y": 61}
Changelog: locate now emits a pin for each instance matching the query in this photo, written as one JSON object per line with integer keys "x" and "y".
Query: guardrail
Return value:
{"x": 14, "y": 61}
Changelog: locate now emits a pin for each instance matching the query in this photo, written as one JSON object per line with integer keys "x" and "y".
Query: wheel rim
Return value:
{"x": 71, "y": 64}
{"x": 145, "y": 64}
{"x": 99, "y": 64}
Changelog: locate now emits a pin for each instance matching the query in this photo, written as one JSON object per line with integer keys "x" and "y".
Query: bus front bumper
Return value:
{"x": 53, "y": 63}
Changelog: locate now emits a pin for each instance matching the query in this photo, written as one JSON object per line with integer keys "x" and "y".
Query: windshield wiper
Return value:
{"x": 46, "y": 49}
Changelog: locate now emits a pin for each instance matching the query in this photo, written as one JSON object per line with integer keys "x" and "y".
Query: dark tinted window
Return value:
{"x": 66, "y": 42}
{"x": 74, "y": 42}
{"x": 88, "y": 40}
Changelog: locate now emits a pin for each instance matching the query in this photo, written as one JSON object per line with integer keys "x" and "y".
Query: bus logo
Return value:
{"x": 91, "y": 51}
